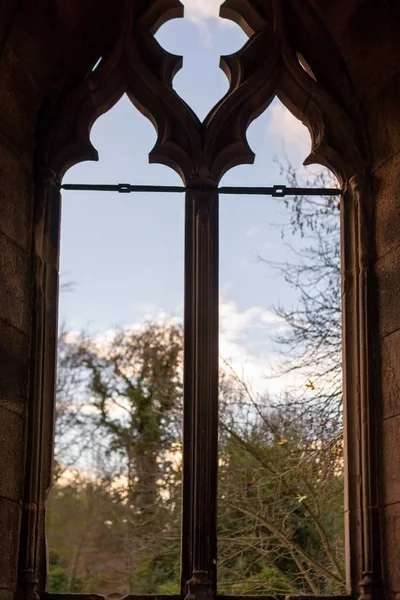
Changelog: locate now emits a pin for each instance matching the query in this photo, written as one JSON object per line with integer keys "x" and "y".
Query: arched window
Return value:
{"x": 276, "y": 61}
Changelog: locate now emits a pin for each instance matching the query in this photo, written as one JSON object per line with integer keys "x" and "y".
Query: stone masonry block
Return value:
{"x": 11, "y": 454}
{"x": 390, "y": 379}
{"x": 14, "y": 360}
{"x": 15, "y": 285}
{"x": 18, "y": 104}
{"x": 388, "y": 279}
{"x": 390, "y": 517}
{"x": 390, "y": 473}
{"x": 9, "y": 533}
{"x": 16, "y": 197}
{"x": 378, "y": 129}
{"x": 387, "y": 206}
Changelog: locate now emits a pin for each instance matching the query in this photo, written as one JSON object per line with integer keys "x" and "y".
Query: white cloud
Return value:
{"x": 199, "y": 11}
{"x": 202, "y": 13}
{"x": 233, "y": 321}
{"x": 296, "y": 141}
{"x": 245, "y": 343}
{"x": 285, "y": 127}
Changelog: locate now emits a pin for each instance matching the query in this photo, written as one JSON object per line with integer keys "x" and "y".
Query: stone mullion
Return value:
{"x": 201, "y": 394}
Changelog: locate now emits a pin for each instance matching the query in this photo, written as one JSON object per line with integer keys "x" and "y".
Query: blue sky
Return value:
{"x": 125, "y": 252}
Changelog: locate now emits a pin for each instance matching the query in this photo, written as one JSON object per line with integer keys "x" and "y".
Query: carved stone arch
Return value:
{"x": 269, "y": 66}
{"x": 135, "y": 64}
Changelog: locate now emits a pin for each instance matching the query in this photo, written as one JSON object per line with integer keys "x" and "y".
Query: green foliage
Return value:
{"x": 59, "y": 578}
{"x": 280, "y": 506}
{"x": 278, "y": 491}
{"x": 267, "y": 581}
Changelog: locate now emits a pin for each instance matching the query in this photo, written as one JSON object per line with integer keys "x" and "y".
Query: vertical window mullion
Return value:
{"x": 200, "y": 447}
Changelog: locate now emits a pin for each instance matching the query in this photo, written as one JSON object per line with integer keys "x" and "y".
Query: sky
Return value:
{"x": 124, "y": 253}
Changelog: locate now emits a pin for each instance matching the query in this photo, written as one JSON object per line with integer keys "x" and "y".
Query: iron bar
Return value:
{"x": 122, "y": 188}
{"x": 280, "y": 191}
{"x": 276, "y": 191}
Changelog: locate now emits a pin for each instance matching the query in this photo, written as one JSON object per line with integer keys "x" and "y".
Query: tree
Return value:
{"x": 77, "y": 519}
{"x": 312, "y": 340}
{"x": 281, "y": 472}
{"x": 59, "y": 579}
{"x": 72, "y": 434}
{"x": 280, "y": 505}
{"x": 130, "y": 386}
{"x": 279, "y": 491}
{"x": 280, "y": 462}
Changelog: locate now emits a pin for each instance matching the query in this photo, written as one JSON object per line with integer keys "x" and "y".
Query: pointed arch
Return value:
{"x": 133, "y": 62}
{"x": 269, "y": 65}
{"x": 316, "y": 89}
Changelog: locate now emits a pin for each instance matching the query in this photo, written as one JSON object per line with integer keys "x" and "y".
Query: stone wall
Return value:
{"x": 367, "y": 35}
{"x": 375, "y": 68}
{"x": 387, "y": 187}
{"x": 17, "y": 122}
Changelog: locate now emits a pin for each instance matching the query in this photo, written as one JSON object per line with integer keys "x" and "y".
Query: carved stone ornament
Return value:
{"x": 274, "y": 62}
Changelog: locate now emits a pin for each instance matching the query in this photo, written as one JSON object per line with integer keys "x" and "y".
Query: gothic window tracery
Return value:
{"x": 276, "y": 61}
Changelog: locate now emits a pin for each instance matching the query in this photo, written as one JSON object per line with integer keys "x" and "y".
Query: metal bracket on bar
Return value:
{"x": 276, "y": 191}
{"x": 279, "y": 191}
{"x": 124, "y": 188}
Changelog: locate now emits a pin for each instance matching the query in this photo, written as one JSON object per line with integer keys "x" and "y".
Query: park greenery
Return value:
{"x": 114, "y": 512}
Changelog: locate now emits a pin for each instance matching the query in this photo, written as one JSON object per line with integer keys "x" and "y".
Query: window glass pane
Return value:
{"x": 280, "y": 506}
{"x": 114, "y": 509}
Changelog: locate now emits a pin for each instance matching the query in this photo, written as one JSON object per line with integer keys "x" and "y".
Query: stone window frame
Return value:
{"x": 317, "y": 90}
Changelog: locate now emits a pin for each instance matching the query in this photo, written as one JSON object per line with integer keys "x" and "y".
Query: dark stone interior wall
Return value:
{"x": 371, "y": 50}
{"x": 387, "y": 187}
{"x": 17, "y": 122}
{"x": 26, "y": 61}
{"x": 368, "y": 36}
